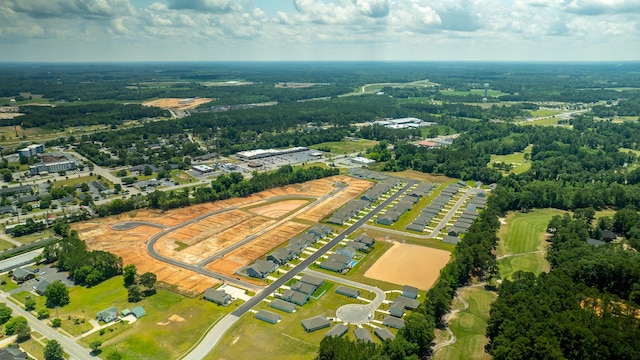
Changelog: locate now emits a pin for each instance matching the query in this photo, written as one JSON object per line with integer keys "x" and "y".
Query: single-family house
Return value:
{"x": 315, "y": 323}
{"x": 347, "y": 291}
{"x": 393, "y": 322}
{"x": 595, "y": 242}
{"x": 268, "y": 316}
{"x": 283, "y": 305}
{"x": 337, "y": 331}
{"x": 362, "y": 335}
{"x": 415, "y": 227}
{"x": 383, "y": 334}
{"x": 410, "y": 292}
{"x": 280, "y": 256}
{"x": 396, "y": 309}
{"x": 358, "y": 246}
{"x": 13, "y": 352}
{"x": 347, "y": 251}
{"x": 607, "y": 235}
{"x": 303, "y": 287}
{"x": 321, "y": 230}
{"x": 295, "y": 297}
{"x": 451, "y": 239}
{"x": 363, "y": 238}
{"x": 219, "y": 297}
{"x": 408, "y": 303}
{"x": 261, "y": 268}
{"x": 317, "y": 282}
{"x": 107, "y": 315}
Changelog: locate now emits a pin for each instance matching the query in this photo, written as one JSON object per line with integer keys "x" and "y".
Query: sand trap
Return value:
{"x": 406, "y": 264}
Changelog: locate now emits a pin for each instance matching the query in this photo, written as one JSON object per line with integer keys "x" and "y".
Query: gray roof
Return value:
{"x": 42, "y": 286}
{"x": 383, "y": 334}
{"x": 283, "y": 305}
{"x": 312, "y": 280}
{"x": 408, "y": 303}
{"x": 363, "y": 238}
{"x": 362, "y": 335}
{"x": 337, "y": 331}
{"x": 315, "y": 323}
{"x": 215, "y": 295}
{"x": 415, "y": 227}
{"x": 343, "y": 290}
{"x": 339, "y": 258}
{"x": 357, "y": 245}
{"x": 333, "y": 265}
{"x": 410, "y": 291}
{"x": 295, "y": 297}
{"x": 267, "y": 316}
{"x": 110, "y": 311}
{"x": 16, "y": 189}
{"x": 393, "y": 322}
{"x": 303, "y": 287}
{"x": 13, "y": 352}
{"x": 21, "y": 273}
{"x": 138, "y": 311}
{"x": 595, "y": 242}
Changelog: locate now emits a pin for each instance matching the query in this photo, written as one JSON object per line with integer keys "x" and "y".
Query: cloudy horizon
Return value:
{"x": 319, "y": 30}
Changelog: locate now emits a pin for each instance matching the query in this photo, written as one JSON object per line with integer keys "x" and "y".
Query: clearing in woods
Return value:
{"x": 522, "y": 243}
{"x": 235, "y": 221}
{"x": 174, "y": 103}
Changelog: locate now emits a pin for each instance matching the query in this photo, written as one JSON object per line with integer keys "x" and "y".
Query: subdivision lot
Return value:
{"x": 413, "y": 265}
{"x": 469, "y": 326}
{"x": 234, "y": 221}
{"x": 279, "y": 209}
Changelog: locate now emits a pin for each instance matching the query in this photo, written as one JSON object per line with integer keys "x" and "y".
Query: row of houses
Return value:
{"x": 362, "y": 243}
{"x": 367, "y": 174}
{"x": 400, "y": 304}
{"x": 297, "y": 245}
{"x": 430, "y": 211}
{"x": 393, "y": 214}
{"x": 300, "y": 291}
{"x": 360, "y": 334}
{"x": 351, "y": 209}
{"x": 262, "y": 268}
{"x": 340, "y": 260}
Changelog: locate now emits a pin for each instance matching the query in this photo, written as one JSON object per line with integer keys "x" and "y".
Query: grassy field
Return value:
{"x": 251, "y": 338}
{"x": 544, "y": 112}
{"x": 346, "y": 147}
{"x": 469, "y": 326}
{"x": 4, "y": 245}
{"x": 524, "y": 233}
{"x": 515, "y": 159}
{"x": 27, "y": 239}
{"x": 75, "y": 181}
{"x": 172, "y": 324}
{"x": 181, "y": 177}
{"x": 542, "y": 122}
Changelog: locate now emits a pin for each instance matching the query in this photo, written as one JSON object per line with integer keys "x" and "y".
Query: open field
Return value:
{"x": 174, "y": 103}
{"x": 515, "y": 159}
{"x": 544, "y": 112}
{"x": 198, "y": 241}
{"x": 417, "y": 175}
{"x": 524, "y": 235}
{"x": 346, "y": 147}
{"x": 480, "y": 92}
{"x": 253, "y": 338}
{"x": 75, "y": 181}
{"x": 409, "y": 265}
{"x": 469, "y": 326}
{"x": 172, "y": 324}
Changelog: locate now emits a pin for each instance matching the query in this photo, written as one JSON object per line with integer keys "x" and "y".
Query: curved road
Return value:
{"x": 211, "y": 338}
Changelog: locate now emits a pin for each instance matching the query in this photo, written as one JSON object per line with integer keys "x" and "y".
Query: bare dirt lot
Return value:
{"x": 279, "y": 209}
{"x": 174, "y": 103}
{"x": 406, "y": 264}
{"x": 235, "y": 221}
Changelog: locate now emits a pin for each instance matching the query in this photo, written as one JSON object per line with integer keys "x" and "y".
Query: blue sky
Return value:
{"x": 265, "y": 30}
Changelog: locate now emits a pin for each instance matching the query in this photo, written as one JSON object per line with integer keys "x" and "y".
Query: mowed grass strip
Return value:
{"x": 525, "y": 232}
{"x": 469, "y": 326}
{"x": 515, "y": 159}
{"x": 535, "y": 263}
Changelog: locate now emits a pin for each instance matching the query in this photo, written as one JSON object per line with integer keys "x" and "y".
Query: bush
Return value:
{"x": 57, "y": 322}
{"x": 43, "y": 313}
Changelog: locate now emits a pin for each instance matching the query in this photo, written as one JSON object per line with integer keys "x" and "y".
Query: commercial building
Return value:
{"x": 263, "y": 153}
{"x": 31, "y": 150}
{"x": 43, "y": 168}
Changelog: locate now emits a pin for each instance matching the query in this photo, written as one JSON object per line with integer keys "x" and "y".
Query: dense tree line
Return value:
{"x": 225, "y": 186}
{"x": 63, "y": 116}
{"x": 85, "y": 267}
{"x": 585, "y": 307}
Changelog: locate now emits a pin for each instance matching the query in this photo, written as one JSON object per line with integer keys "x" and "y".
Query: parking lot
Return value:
{"x": 46, "y": 272}
{"x": 274, "y": 162}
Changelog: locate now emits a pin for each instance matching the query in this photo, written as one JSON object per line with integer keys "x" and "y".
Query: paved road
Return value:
{"x": 72, "y": 348}
{"x": 453, "y": 210}
{"x": 208, "y": 344}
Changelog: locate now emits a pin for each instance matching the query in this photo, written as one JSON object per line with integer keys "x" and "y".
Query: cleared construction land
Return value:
{"x": 174, "y": 103}
{"x": 406, "y": 264}
{"x": 231, "y": 221}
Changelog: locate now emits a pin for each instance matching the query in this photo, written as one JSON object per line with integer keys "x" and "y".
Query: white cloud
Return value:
{"x": 214, "y": 6}
{"x": 88, "y": 9}
{"x": 600, "y": 7}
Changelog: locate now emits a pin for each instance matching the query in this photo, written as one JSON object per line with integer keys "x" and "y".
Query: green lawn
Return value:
{"x": 544, "y": 112}
{"x": 181, "y": 177}
{"x": 535, "y": 262}
{"x": 469, "y": 326}
{"x": 4, "y": 245}
{"x": 515, "y": 159}
{"x": 542, "y": 122}
{"x": 250, "y": 338}
{"x": 524, "y": 233}
{"x": 346, "y": 147}
{"x": 27, "y": 239}
{"x": 75, "y": 181}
